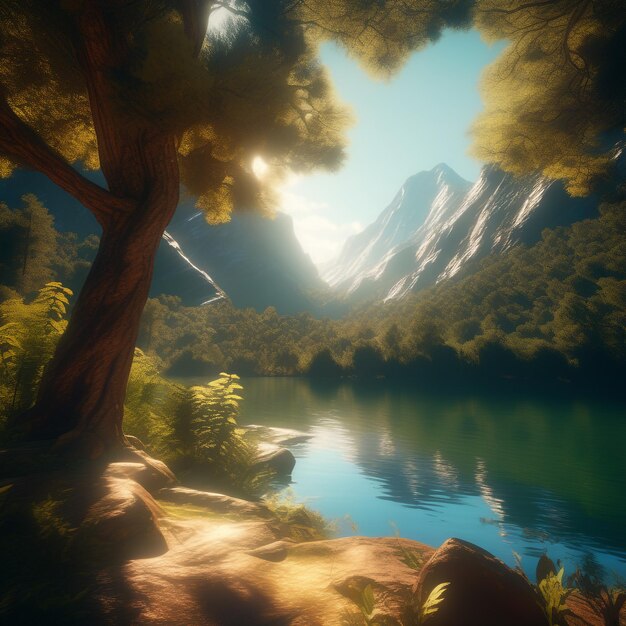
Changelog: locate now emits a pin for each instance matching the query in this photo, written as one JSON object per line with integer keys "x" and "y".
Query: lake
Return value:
{"x": 509, "y": 473}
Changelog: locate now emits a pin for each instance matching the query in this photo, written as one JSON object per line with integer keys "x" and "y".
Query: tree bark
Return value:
{"x": 81, "y": 398}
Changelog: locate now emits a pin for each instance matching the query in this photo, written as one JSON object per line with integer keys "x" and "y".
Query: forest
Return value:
{"x": 550, "y": 315}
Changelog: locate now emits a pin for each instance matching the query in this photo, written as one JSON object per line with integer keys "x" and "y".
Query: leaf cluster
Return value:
{"x": 29, "y": 332}
{"x": 554, "y": 99}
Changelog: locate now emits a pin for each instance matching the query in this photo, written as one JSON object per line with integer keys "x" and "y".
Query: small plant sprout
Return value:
{"x": 554, "y": 595}
{"x": 430, "y": 606}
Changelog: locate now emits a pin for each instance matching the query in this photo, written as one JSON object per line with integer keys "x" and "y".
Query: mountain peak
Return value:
{"x": 443, "y": 167}
{"x": 441, "y": 174}
{"x": 445, "y": 172}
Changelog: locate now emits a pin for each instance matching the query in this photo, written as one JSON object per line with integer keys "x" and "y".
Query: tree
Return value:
{"x": 28, "y": 244}
{"x": 137, "y": 89}
{"x": 555, "y": 100}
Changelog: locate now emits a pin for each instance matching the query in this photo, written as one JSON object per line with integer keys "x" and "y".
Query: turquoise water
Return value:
{"x": 511, "y": 474}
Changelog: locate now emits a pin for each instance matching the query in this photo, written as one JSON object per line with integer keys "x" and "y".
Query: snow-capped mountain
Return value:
{"x": 439, "y": 223}
{"x": 423, "y": 198}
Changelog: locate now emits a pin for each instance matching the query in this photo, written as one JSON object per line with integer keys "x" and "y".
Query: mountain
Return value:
{"x": 438, "y": 224}
{"x": 258, "y": 262}
{"x": 423, "y": 195}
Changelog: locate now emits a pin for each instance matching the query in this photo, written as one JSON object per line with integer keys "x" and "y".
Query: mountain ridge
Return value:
{"x": 445, "y": 232}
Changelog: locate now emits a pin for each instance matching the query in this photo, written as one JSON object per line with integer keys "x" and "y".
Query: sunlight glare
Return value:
{"x": 259, "y": 167}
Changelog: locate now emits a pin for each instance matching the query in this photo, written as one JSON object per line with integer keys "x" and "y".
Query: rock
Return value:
{"x": 482, "y": 589}
{"x": 216, "y": 576}
{"x": 214, "y": 502}
{"x": 281, "y": 461}
{"x": 108, "y": 518}
{"x": 156, "y": 475}
{"x": 151, "y": 478}
{"x": 124, "y": 519}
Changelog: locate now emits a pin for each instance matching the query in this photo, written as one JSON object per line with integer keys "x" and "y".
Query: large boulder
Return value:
{"x": 482, "y": 590}
{"x": 151, "y": 477}
{"x": 280, "y": 461}
{"x": 123, "y": 520}
{"x": 155, "y": 476}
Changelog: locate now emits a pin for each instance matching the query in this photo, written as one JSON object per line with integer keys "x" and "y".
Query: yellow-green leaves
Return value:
{"x": 546, "y": 106}
{"x": 554, "y": 596}
{"x": 431, "y": 605}
{"x": 28, "y": 336}
{"x": 367, "y": 603}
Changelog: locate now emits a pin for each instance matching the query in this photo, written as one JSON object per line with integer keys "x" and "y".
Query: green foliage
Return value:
{"x": 33, "y": 252}
{"x": 28, "y": 242}
{"x": 214, "y": 423}
{"x": 554, "y": 596}
{"x": 416, "y": 612}
{"x": 554, "y": 99}
{"x": 430, "y": 606}
{"x": 220, "y": 447}
{"x": 552, "y": 312}
{"x": 301, "y": 523}
{"x": 150, "y": 408}
{"x": 193, "y": 429}
{"x": 365, "y": 601}
{"x": 29, "y": 333}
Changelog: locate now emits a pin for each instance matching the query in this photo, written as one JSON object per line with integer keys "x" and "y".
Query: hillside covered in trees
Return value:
{"x": 555, "y": 311}
{"x": 551, "y": 313}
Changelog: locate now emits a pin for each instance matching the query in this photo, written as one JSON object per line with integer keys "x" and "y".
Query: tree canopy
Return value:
{"x": 555, "y": 100}
{"x": 253, "y": 88}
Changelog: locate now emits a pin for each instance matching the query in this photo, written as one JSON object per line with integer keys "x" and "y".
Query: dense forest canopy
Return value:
{"x": 140, "y": 91}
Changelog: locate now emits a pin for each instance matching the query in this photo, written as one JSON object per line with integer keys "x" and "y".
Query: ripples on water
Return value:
{"x": 511, "y": 474}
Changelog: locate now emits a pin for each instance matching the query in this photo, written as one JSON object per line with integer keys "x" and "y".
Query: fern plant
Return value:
{"x": 218, "y": 442}
{"x": 147, "y": 407}
{"x": 29, "y": 333}
{"x": 215, "y": 408}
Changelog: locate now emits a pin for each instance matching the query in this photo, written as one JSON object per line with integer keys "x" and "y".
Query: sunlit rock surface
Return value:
{"x": 236, "y": 568}
{"x": 112, "y": 554}
{"x": 231, "y": 572}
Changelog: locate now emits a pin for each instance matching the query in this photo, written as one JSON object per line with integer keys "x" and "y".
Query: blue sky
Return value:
{"x": 405, "y": 125}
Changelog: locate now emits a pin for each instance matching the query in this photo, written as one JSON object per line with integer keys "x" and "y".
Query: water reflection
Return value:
{"x": 517, "y": 473}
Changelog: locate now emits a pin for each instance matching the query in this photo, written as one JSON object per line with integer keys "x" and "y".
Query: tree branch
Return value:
{"x": 21, "y": 143}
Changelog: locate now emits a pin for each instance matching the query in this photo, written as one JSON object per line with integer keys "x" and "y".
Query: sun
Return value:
{"x": 259, "y": 167}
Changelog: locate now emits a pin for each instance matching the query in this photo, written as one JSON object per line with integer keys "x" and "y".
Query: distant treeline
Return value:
{"x": 553, "y": 314}
{"x": 550, "y": 314}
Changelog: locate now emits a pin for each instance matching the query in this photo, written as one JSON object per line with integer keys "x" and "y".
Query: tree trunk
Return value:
{"x": 82, "y": 393}
{"x": 81, "y": 397}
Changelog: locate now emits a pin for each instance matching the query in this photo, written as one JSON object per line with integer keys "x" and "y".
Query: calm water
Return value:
{"x": 509, "y": 474}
